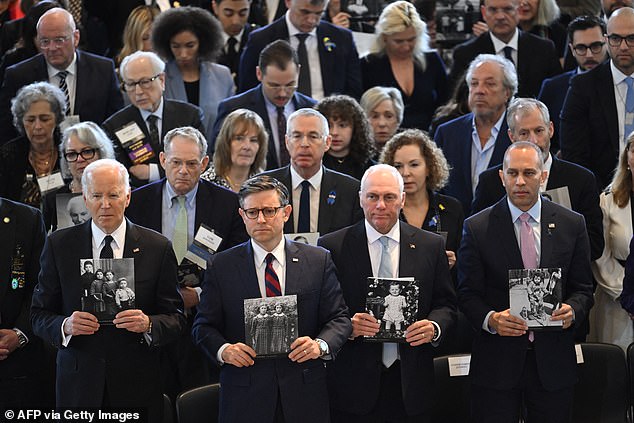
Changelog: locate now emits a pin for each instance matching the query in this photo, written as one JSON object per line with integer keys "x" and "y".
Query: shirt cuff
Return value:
{"x": 154, "y": 172}
{"x": 27, "y": 338}
{"x": 198, "y": 290}
{"x": 220, "y": 351}
{"x": 65, "y": 338}
{"x": 485, "y": 324}
{"x": 438, "y": 332}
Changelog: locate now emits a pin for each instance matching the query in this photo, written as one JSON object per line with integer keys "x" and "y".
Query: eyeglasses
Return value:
{"x": 86, "y": 154}
{"x": 190, "y": 164}
{"x": 267, "y": 212}
{"x": 615, "y": 40}
{"x": 313, "y": 137}
{"x": 277, "y": 87}
{"x": 595, "y": 48}
{"x": 143, "y": 83}
{"x": 56, "y": 42}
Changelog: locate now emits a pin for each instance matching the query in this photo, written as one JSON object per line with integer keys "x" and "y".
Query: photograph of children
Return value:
{"x": 534, "y": 294}
{"x": 394, "y": 303}
{"x": 455, "y": 19}
{"x": 71, "y": 210}
{"x": 270, "y": 324}
{"x": 111, "y": 289}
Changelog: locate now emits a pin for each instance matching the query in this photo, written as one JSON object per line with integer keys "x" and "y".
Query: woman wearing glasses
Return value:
{"x": 81, "y": 145}
{"x": 29, "y": 164}
{"x": 189, "y": 39}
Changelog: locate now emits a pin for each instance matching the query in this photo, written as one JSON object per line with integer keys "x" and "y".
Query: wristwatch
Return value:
{"x": 22, "y": 341}
{"x": 323, "y": 347}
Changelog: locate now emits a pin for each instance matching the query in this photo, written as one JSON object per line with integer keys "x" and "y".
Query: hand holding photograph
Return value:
{"x": 394, "y": 303}
{"x": 270, "y": 324}
{"x": 534, "y": 294}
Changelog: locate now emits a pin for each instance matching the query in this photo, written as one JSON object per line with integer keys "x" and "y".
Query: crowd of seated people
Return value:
{"x": 222, "y": 136}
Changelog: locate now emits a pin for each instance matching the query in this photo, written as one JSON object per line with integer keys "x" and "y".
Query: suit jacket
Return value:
{"x": 175, "y": 114}
{"x": 97, "y": 93}
{"x": 582, "y": 188}
{"x": 223, "y": 59}
{"x": 552, "y": 94}
{"x": 121, "y": 359}
{"x": 216, "y": 207}
{"x": 454, "y": 139}
{"x": 216, "y": 84}
{"x": 532, "y": 68}
{"x": 23, "y": 236}
{"x": 322, "y": 313}
{"x": 589, "y": 133}
{"x": 253, "y": 99}
{"x": 355, "y": 377}
{"x": 334, "y": 213}
{"x": 497, "y": 361}
{"x": 339, "y": 61}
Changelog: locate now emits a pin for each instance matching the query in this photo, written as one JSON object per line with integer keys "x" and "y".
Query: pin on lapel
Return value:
{"x": 412, "y": 246}
{"x": 295, "y": 259}
{"x": 136, "y": 250}
{"x": 551, "y": 226}
{"x": 6, "y": 220}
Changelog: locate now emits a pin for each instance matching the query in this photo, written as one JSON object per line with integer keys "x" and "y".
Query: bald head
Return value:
{"x": 619, "y": 29}
{"x": 57, "y": 37}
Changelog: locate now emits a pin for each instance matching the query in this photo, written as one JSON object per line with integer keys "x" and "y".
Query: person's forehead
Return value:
{"x": 268, "y": 198}
{"x": 381, "y": 181}
{"x": 306, "y": 122}
{"x": 593, "y": 34}
{"x": 139, "y": 68}
{"x": 234, "y": 4}
{"x": 306, "y": 4}
{"x": 486, "y": 70}
{"x": 500, "y": 3}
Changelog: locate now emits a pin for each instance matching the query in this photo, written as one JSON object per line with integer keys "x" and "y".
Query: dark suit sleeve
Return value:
{"x": 353, "y": 75}
{"x": 485, "y": 193}
{"x": 590, "y": 208}
{"x": 578, "y": 288}
{"x": 115, "y": 99}
{"x": 461, "y": 62}
{"x": 248, "y": 63}
{"x": 223, "y": 111}
{"x": 627, "y": 295}
{"x": 9, "y": 88}
{"x": 575, "y": 128}
{"x": 443, "y": 307}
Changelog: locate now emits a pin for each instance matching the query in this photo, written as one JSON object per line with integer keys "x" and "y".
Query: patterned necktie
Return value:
{"x": 390, "y": 349}
{"x": 64, "y": 87}
{"x": 153, "y": 128}
{"x": 179, "y": 239}
{"x": 629, "y": 108}
{"x": 74, "y": 7}
{"x": 527, "y": 243}
{"x": 304, "y": 71}
{"x": 106, "y": 251}
{"x": 508, "y": 53}
{"x": 281, "y": 133}
{"x": 303, "y": 223}
{"x": 272, "y": 282}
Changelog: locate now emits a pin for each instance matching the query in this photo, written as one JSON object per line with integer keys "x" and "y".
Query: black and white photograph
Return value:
{"x": 534, "y": 294}
{"x": 270, "y": 324}
{"x": 394, "y": 303}
{"x": 71, "y": 210}
{"x": 107, "y": 287}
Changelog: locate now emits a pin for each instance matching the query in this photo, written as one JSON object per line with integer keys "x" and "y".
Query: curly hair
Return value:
{"x": 38, "y": 91}
{"x": 239, "y": 122}
{"x": 139, "y": 21}
{"x": 345, "y": 108}
{"x": 198, "y": 21}
{"x": 437, "y": 165}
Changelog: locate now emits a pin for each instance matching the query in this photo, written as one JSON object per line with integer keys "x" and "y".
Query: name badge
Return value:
{"x": 133, "y": 141}
{"x": 18, "y": 271}
{"x": 206, "y": 243}
{"x": 50, "y": 182}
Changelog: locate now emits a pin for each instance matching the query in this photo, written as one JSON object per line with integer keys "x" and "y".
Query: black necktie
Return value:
{"x": 304, "y": 71}
{"x": 281, "y": 132}
{"x": 303, "y": 223}
{"x": 232, "y": 55}
{"x": 106, "y": 251}
{"x": 508, "y": 53}
{"x": 154, "y": 133}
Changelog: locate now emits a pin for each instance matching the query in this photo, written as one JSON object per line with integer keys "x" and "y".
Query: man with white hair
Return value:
{"x": 98, "y": 365}
{"x": 389, "y": 382}
{"x": 137, "y": 130}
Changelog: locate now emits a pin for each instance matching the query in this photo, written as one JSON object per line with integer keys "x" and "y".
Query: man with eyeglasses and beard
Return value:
{"x": 137, "y": 130}
{"x": 598, "y": 113}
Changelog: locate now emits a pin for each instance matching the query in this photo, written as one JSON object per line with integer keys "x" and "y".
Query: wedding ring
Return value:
{"x": 305, "y": 352}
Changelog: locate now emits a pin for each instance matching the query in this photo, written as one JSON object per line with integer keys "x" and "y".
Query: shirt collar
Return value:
{"x": 225, "y": 37}
{"x": 315, "y": 180}
{"x": 169, "y": 194}
{"x": 292, "y": 29}
{"x": 71, "y": 69}
{"x": 498, "y": 44}
{"x": 118, "y": 234}
{"x": 535, "y": 212}
{"x": 373, "y": 235}
{"x": 259, "y": 253}
{"x": 496, "y": 128}
{"x": 158, "y": 112}
{"x": 617, "y": 75}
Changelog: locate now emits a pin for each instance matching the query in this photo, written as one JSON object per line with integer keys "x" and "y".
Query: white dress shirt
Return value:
{"x": 315, "y": 188}
{"x": 312, "y": 48}
{"x": 71, "y": 81}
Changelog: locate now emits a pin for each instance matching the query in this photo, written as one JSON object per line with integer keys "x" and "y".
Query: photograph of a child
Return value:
{"x": 271, "y": 324}
{"x": 108, "y": 287}
{"x": 394, "y": 303}
{"x": 534, "y": 294}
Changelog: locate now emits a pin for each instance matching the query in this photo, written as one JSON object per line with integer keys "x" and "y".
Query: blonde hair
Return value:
{"x": 139, "y": 21}
{"x": 621, "y": 185}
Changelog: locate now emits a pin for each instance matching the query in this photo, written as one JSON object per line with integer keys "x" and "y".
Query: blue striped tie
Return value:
{"x": 629, "y": 108}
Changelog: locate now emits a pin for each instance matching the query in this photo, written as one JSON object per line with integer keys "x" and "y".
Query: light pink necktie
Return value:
{"x": 529, "y": 251}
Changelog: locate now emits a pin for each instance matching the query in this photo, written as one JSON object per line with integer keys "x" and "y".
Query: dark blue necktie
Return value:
{"x": 303, "y": 224}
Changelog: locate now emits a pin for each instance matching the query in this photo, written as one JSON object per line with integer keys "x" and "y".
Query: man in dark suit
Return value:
{"x": 108, "y": 365}
{"x": 233, "y": 16}
{"x": 26, "y": 369}
{"x": 365, "y": 384}
{"x": 291, "y": 387}
{"x": 595, "y": 118}
{"x": 528, "y": 120}
{"x": 589, "y": 50}
{"x": 322, "y": 199}
{"x": 522, "y": 231}
{"x": 138, "y": 129}
{"x": 504, "y": 39}
{"x": 88, "y": 80}
{"x": 476, "y": 141}
{"x": 156, "y": 206}
{"x": 329, "y": 57}
{"x": 274, "y": 99}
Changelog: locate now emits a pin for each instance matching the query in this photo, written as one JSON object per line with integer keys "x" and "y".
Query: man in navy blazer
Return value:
{"x": 333, "y": 59}
{"x": 91, "y": 81}
{"x": 108, "y": 365}
{"x": 588, "y": 48}
{"x": 476, "y": 141}
{"x": 509, "y": 362}
{"x": 331, "y": 195}
{"x": 290, "y": 387}
{"x": 592, "y": 128}
{"x": 362, "y": 386}
{"x": 534, "y": 57}
{"x": 278, "y": 73}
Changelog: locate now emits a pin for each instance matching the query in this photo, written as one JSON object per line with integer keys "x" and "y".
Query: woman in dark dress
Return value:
{"x": 351, "y": 149}
{"x": 401, "y": 58}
